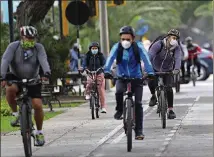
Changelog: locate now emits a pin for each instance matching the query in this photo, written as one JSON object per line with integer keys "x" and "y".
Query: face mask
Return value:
{"x": 126, "y": 44}
{"x": 27, "y": 44}
{"x": 94, "y": 52}
{"x": 173, "y": 42}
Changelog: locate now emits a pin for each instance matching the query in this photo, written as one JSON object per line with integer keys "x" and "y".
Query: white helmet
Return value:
{"x": 28, "y": 31}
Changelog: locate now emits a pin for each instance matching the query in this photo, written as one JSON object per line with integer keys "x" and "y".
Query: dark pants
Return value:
{"x": 168, "y": 81}
{"x": 137, "y": 88}
{"x": 196, "y": 62}
{"x": 183, "y": 68}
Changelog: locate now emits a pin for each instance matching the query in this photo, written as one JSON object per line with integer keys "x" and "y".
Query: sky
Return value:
{"x": 4, "y": 9}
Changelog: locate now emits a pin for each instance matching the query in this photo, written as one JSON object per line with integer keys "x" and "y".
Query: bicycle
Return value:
{"x": 94, "y": 94}
{"x": 25, "y": 113}
{"x": 177, "y": 83}
{"x": 162, "y": 97}
{"x": 128, "y": 110}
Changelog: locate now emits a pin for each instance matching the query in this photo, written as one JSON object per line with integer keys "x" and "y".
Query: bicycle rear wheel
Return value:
{"x": 92, "y": 105}
{"x": 26, "y": 129}
{"x": 129, "y": 125}
{"x": 163, "y": 109}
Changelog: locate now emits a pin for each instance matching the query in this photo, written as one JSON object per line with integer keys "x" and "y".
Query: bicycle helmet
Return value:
{"x": 94, "y": 44}
{"x": 188, "y": 39}
{"x": 76, "y": 46}
{"x": 127, "y": 30}
{"x": 174, "y": 32}
{"x": 28, "y": 31}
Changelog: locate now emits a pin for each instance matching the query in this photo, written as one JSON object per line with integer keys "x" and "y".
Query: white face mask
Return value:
{"x": 126, "y": 44}
{"x": 173, "y": 42}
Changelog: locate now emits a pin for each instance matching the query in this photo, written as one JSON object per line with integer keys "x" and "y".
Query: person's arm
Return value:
{"x": 74, "y": 55}
{"x": 111, "y": 58}
{"x": 84, "y": 64}
{"x": 7, "y": 58}
{"x": 156, "y": 47}
{"x": 144, "y": 56}
{"x": 104, "y": 60}
{"x": 42, "y": 57}
{"x": 177, "y": 58}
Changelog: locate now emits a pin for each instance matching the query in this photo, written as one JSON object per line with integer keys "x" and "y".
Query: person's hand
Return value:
{"x": 81, "y": 69}
{"x": 3, "y": 83}
{"x": 45, "y": 78}
{"x": 176, "y": 71}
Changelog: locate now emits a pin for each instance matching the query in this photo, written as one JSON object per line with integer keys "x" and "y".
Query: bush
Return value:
{"x": 5, "y": 108}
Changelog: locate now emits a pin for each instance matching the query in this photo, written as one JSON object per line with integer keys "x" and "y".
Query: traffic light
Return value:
{"x": 93, "y": 6}
{"x": 119, "y": 2}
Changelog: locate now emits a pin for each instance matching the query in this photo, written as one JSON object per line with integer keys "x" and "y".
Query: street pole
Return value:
{"x": 60, "y": 19}
{"x": 53, "y": 18}
{"x": 10, "y": 11}
{"x": 104, "y": 32}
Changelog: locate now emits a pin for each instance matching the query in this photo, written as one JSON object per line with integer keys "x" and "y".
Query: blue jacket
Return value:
{"x": 129, "y": 66}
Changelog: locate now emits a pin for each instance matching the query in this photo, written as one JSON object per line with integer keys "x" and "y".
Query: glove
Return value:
{"x": 47, "y": 75}
{"x": 108, "y": 75}
{"x": 176, "y": 71}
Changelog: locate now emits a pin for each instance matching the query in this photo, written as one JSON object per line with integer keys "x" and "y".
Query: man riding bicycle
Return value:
{"x": 93, "y": 61}
{"x": 24, "y": 59}
{"x": 165, "y": 56}
{"x": 128, "y": 55}
{"x": 193, "y": 50}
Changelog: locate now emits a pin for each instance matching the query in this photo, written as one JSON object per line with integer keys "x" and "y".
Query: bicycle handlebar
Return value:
{"x": 164, "y": 73}
{"x": 23, "y": 81}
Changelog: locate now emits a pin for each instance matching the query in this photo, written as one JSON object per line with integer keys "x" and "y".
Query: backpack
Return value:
{"x": 120, "y": 52}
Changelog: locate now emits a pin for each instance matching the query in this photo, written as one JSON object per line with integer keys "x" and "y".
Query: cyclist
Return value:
{"x": 165, "y": 56}
{"x": 128, "y": 55}
{"x": 94, "y": 60}
{"x": 24, "y": 59}
{"x": 73, "y": 54}
{"x": 184, "y": 57}
{"x": 193, "y": 50}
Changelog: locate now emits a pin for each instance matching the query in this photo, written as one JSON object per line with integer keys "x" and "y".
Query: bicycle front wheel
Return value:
{"x": 92, "y": 106}
{"x": 26, "y": 128}
{"x": 163, "y": 107}
{"x": 177, "y": 83}
{"x": 129, "y": 125}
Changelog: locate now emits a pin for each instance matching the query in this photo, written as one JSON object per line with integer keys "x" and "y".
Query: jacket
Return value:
{"x": 129, "y": 67}
{"x": 162, "y": 60}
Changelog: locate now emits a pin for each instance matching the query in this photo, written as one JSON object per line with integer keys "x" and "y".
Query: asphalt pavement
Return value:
{"x": 75, "y": 134}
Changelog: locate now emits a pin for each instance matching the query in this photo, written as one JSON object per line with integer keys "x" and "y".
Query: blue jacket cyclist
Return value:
{"x": 128, "y": 55}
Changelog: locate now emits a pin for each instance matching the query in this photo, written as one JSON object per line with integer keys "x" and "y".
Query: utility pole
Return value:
{"x": 60, "y": 19}
{"x": 104, "y": 32}
{"x": 10, "y": 11}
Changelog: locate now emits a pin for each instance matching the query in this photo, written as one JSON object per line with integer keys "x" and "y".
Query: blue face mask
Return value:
{"x": 94, "y": 52}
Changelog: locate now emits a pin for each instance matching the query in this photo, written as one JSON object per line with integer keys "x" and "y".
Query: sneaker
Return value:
{"x": 171, "y": 115}
{"x": 103, "y": 110}
{"x": 87, "y": 97}
{"x": 16, "y": 122}
{"x": 139, "y": 136}
{"x": 153, "y": 101}
{"x": 40, "y": 140}
{"x": 118, "y": 115}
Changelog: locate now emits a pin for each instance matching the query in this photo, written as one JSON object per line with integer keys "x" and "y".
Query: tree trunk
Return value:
{"x": 30, "y": 12}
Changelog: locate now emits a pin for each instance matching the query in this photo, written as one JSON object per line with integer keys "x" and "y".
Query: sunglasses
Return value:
{"x": 125, "y": 39}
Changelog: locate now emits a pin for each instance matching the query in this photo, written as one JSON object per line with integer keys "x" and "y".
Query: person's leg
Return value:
{"x": 188, "y": 67}
{"x": 138, "y": 90}
{"x": 88, "y": 88}
{"x": 101, "y": 90}
{"x": 35, "y": 93}
{"x": 183, "y": 69}
{"x": 120, "y": 89}
{"x": 197, "y": 63}
{"x": 152, "y": 86}
{"x": 168, "y": 81}
{"x": 11, "y": 92}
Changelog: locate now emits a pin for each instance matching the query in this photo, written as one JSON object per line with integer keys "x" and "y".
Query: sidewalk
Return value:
{"x": 68, "y": 128}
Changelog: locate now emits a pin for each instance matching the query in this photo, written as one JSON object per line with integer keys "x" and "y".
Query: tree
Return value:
{"x": 30, "y": 12}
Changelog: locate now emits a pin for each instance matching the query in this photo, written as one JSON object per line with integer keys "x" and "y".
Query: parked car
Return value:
{"x": 206, "y": 60}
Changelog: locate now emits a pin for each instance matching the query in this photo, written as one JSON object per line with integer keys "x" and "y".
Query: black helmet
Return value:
{"x": 127, "y": 30}
{"x": 94, "y": 44}
{"x": 188, "y": 39}
{"x": 174, "y": 32}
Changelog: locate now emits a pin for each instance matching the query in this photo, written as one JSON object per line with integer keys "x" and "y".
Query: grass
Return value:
{"x": 64, "y": 105}
{"x": 5, "y": 121}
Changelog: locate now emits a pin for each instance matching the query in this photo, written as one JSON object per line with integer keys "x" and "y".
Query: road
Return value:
{"x": 74, "y": 134}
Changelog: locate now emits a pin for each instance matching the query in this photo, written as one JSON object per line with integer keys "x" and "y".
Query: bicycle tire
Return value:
{"x": 97, "y": 101}
{"x": 92, "y": 105}
{"x": 124, "y": 117}
{"x": 177, "y": 84}
{"x": 193, "y": 79}
{"x": 163, "y": 109}
{"x": 26, "y": 129}
{"x": 129, "y": 125}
